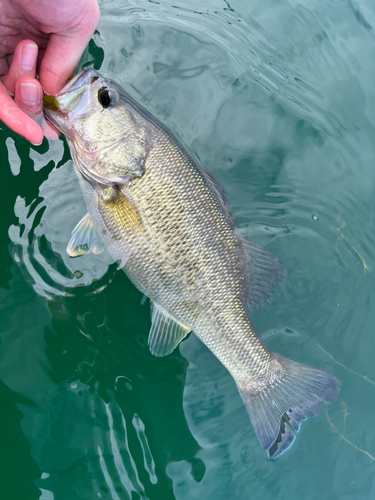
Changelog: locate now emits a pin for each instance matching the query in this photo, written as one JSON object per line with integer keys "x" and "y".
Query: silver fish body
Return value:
{"x": 167, "y": 223}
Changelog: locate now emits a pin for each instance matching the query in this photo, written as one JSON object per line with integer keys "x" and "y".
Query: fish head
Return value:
{"x": 108, "y": 139}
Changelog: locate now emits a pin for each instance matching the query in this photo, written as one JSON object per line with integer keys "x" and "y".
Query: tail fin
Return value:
{"x": 277, "y": 409}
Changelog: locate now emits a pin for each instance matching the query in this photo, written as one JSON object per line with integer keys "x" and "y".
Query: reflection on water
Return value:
{"x": 42, "y": 233}
{"x": 113, "y": 422}
{"x": 276, "y": 100}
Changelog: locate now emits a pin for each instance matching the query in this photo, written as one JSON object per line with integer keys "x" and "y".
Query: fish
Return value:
{"x": 168, "y": 224}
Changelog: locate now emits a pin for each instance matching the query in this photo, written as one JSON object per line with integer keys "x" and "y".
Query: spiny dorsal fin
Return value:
{"x": 166, "y": 333}
{"x": 265, "y": 274}
{"x": 84, "y": 239}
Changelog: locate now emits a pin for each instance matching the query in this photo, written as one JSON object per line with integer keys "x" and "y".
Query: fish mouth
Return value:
{"x": 50, "y": 103}
{"x": 66, "y": 104}
{"x": 82, "y": 78}
{"x": 54, "y": 115}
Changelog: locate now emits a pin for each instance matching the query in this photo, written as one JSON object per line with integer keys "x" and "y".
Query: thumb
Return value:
{"x": 64, "y": 51}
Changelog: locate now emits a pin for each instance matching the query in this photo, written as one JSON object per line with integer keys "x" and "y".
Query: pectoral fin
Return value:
{"x": 166, "y": 333}
{"x": 84, "y": 239}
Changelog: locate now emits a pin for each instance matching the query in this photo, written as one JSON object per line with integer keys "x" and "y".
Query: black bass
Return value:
{"x": 166, "y": 221}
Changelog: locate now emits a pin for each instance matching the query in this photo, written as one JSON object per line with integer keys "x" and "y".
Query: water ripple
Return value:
{"x": 289, "y": 52}
{"x": 43, "y": 232}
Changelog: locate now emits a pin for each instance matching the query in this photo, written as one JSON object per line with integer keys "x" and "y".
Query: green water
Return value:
{"x": 277, "y": 100}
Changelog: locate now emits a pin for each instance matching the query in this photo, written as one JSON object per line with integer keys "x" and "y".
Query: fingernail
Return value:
{"x": 28, "y": 56}
{"x": 29, "y": 94}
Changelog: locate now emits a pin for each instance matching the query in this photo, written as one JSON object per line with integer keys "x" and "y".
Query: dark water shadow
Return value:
{"x": 97, "y": 345}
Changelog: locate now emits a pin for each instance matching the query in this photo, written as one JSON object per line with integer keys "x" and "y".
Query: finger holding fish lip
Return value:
{"x": 28, "y": 95}
{"x": 19, "y": 81}
{"x": 16, "y": 119}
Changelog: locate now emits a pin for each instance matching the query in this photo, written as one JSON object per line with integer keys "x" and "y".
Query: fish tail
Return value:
{"x": 278, "y": 405}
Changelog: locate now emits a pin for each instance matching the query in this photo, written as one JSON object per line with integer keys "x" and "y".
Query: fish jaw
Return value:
{"x": 72, "y": 101}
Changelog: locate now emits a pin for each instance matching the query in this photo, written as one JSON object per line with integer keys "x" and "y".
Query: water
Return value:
{"x": 277, "y": 101}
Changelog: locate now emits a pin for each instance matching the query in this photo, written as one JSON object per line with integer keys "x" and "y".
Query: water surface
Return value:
{"x": 277, "y": 101}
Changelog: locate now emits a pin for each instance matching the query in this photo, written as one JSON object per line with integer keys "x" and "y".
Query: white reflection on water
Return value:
{"x": 43, "y": 232}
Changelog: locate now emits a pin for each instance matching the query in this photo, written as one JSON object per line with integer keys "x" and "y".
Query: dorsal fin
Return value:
{"x": 219, "y": 195}
{"x": 265, "y": 274}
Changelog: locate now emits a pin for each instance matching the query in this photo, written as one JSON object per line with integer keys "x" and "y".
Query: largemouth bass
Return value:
{"x": 167, "y": 223}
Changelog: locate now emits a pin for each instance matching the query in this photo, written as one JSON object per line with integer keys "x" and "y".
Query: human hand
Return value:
{"x": 60, "y": 32}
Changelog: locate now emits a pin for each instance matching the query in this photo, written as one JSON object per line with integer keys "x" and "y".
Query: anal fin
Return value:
{"x": 166, "y": 332}
{"x": 84, "y": 239}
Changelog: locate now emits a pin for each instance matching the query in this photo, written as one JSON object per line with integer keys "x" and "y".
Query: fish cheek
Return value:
{"x": 129, "y": 140}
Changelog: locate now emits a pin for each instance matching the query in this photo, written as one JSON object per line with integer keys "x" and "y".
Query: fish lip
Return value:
{"x": 60, "y": 121}
{"x": 79, "y": 81}
{"x": 51, "y": 116}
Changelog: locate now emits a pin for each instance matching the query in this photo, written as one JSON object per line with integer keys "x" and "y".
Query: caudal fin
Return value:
{"x": 277, "y": 409}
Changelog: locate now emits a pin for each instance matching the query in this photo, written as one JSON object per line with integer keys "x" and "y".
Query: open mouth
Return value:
{"x": 64, "y": 102}
{"x": 51, "y": 102}
{"x": 70, "y": 96}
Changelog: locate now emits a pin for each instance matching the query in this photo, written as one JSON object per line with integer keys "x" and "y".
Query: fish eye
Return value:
{"x": 107, "y": 97}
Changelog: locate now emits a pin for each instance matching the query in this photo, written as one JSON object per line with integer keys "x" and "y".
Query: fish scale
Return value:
{"x": 169, "y": 227}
